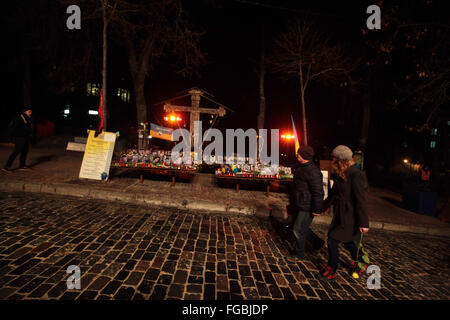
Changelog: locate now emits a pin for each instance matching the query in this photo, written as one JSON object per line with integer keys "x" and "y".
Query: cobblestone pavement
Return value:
{"x": 137, "y": 252}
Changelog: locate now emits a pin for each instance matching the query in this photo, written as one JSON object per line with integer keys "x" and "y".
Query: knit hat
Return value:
{"x": 342, "y": 152}
{"x": 306, "y": 152}
{"x": 26, "y": 108}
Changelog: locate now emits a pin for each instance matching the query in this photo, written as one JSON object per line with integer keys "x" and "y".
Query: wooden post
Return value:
{"x": 141, "y": 178}
{"x": 237, "y": 187}
{"x": 194, "y": 110}
{"x": 173, "y": 180}
{"x": 104, "y": 65}
{"x": 268, "y": 189}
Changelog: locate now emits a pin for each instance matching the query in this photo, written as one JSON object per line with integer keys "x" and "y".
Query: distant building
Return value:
{"x": 79, "y": 111}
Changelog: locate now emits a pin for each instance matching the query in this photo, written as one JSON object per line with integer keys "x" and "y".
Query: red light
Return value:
{"x": 288, "y": 136}
{"x": 172, "y": 118}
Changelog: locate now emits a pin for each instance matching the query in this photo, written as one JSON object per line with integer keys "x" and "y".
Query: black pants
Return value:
{"x": 333, "y": 251}
{"x": 20, "y": 146}
{"x": 302, "y": 232}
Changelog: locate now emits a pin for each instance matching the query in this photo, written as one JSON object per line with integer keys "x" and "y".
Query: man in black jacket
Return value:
{"x": 308, "y": 195}
{"x": 21, "y": 131}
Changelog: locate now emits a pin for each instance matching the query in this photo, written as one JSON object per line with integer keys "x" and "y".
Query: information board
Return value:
{"x": 97, "y": 156}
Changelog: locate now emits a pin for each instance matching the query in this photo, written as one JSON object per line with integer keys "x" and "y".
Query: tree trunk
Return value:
{"x": 262, "y": 97}
{"x": 104, "y": 73}
{"x": 365, "y": 126}
{"x": 302, "y": 94}
{"x": 305, "y": 134}
{"x": 366, "y": 117}
{"x": 141, "y": 105}
{"x": 138, "y": 69}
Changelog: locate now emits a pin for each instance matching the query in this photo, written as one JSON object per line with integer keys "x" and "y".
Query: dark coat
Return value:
{"x": 350, "y": 209}
{"x": 21, "y": 127}
{"x": 308, "y": 188}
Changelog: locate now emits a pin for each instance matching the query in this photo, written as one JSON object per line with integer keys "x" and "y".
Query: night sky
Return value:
{"x": 231, "y": 44}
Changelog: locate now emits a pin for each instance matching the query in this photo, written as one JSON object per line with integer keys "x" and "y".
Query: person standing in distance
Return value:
{"x": 21, "y": 131}
{"x": 308, "y": 198}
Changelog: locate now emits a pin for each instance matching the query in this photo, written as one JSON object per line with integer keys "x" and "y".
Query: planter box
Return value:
{"x": 416, "y": 200}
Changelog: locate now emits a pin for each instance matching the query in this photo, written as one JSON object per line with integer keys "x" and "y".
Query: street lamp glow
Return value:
{"x": 93, "y": 112}
{"x": 405, "y": 161}
{"x": 67, "y": 111}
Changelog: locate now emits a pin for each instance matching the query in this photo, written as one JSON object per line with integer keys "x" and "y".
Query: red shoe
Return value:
{"x": 327, "y": 273}
{"x": 356, "y": 268}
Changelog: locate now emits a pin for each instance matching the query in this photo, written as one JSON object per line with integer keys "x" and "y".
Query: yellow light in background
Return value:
{"x": 405, "y": 161}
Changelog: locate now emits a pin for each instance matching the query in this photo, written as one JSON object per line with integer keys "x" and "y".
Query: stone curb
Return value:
{"x": 135, "y": 198}
{"x": 445, "y": 232}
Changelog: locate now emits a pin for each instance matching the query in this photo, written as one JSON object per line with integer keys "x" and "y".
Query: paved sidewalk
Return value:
{"x": 56, "y": 172}
{"x": 141, "y": 252}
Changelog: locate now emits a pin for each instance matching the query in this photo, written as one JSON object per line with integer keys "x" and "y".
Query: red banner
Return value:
{"x": 100, "y": 112}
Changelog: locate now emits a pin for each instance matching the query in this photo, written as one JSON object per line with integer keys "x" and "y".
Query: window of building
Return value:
{"x": 93, "y": 89}
{"x": 433, "y": 144}
{"x": 66, "y": 110}
{"x": 123, "y": 94}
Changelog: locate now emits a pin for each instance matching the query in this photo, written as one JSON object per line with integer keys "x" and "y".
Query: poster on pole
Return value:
{"x": 97, "y": 156}
{"x": 161, "y": 132}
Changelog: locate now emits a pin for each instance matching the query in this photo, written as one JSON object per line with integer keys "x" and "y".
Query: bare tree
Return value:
{"x": 108, "y": 10}
{"x": 306, "y": 53}
{"x": 422, "y": 81}
{"x": 262, "y": 74}
{"x": 150, "y": 30}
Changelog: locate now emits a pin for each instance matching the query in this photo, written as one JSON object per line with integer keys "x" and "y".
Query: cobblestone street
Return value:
{"x": 138, "y": 252}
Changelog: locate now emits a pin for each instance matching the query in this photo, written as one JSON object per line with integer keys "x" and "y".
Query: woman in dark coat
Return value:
{"x": 350, "y": 213}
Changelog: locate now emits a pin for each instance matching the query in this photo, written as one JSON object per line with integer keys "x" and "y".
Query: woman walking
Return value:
{"x": 350, "y": 214}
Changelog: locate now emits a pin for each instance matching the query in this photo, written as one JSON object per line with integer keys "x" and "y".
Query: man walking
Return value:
{"x": 308, "y": 197}
{"x": 21, "y": 131}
